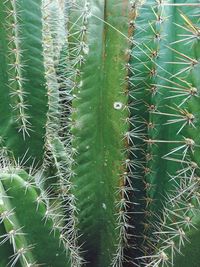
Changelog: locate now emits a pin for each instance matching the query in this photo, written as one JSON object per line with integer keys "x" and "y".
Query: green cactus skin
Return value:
{"x": 24, "y": 213}
{"x": 99, "y": 144}
{"x": 6, "y": 249}
{"x": 22, "y": 78}
{"x": 100, "y": 113}
{"x": 28, "y": 86}
{"x": 162, "y": 68}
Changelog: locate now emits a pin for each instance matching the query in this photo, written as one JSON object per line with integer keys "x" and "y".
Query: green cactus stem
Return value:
{"x": 99, "y": 133}
{"x": 166, "y": 64}
{"x": 22, "y": 78}
{"x": 25, "y": 211}
{"x": 98, "y": 41}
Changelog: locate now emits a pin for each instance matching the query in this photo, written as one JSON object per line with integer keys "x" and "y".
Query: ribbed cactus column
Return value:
{"x": 99, "y": 51}
{"x": 148, "y": 65}
{"x": 145, "y": 52}
{"x": 101, "y": 109}
{"x": 31, "y": 219}
{"x": 171, "y": 168}
{"x": 22, "y": 81}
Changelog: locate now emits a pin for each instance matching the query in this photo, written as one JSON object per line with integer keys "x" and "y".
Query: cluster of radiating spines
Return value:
{"x": 177, "y": 86}
{"x": 57, "y": 149}
{"x": 46, "y": 209}
{"x": 16, "y": 68}
{"x": 15, "y": 236}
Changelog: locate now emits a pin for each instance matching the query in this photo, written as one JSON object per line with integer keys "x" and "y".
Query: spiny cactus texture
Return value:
{"x": 99, "y": 133}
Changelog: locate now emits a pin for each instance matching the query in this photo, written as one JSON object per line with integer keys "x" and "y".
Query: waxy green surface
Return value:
{"x": 99, "y": 129}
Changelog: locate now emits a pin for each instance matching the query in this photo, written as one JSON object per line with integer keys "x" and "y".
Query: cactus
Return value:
{"x": 27, "y": 79}
{"x": 17, "y": 185}
{"x": 166, "y": 66}
{"x": 99, "y": 145}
